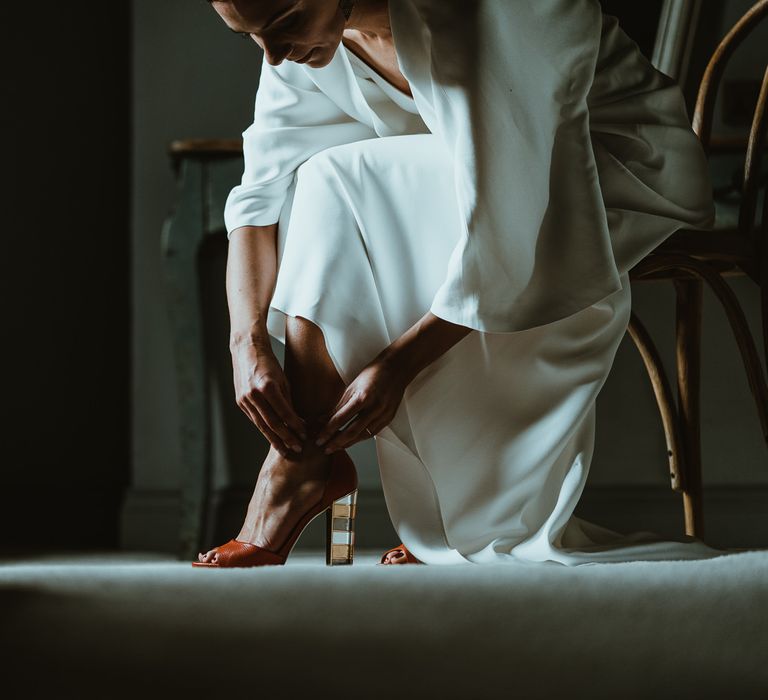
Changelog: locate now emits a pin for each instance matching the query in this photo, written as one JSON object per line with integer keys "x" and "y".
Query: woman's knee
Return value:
{"x": 320, "y": 169}
{"x": 323, "y": 204}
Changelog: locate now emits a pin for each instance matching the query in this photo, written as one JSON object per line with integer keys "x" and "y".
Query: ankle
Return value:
{"x": 310, "y": 463}
{"x": 310, "y": 452}
{"x": 314, "y": 424}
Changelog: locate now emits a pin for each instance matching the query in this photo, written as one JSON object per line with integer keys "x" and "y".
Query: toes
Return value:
{"x": 206, "y": 558}
{"x": 396, "y": 557}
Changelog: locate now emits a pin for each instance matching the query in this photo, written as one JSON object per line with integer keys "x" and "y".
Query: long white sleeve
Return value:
{"x": 508, "y": 83}
{"x": 508, "y": 86}
{"x": 292, "y": 121}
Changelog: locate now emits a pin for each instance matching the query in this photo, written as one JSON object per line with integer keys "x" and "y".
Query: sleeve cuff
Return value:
{"x": 255, "y": 206}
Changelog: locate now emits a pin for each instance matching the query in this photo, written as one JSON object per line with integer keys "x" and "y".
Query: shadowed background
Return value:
{"x": 92, "y": 456}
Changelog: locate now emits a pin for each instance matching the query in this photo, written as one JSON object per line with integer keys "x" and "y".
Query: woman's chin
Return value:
{"x": 319, "y": 58}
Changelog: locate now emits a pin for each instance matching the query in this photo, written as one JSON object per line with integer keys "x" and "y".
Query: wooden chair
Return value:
{"x": 691, "y": 258}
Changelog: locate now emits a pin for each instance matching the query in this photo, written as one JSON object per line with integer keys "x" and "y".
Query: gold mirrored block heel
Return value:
{"x": 340, "y": 530}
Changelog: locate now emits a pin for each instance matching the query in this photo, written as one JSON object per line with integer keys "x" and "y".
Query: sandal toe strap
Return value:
{"x": 236, "y": 553}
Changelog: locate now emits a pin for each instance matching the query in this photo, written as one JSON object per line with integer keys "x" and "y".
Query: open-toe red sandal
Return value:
{"x": 339, "y": 503}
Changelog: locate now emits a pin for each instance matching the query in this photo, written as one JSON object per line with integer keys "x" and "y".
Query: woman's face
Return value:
{"x": 304, "y": 31}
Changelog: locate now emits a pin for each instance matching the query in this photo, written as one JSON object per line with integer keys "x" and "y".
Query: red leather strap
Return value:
{"x": 236, "y": 553}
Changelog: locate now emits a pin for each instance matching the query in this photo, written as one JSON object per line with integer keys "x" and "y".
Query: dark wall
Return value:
{"x": 65, "y": 275}
{"x": 638, "y": 19}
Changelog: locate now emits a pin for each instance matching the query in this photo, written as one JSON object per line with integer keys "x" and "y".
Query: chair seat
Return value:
{"x": 728, "y": 250}
{"x": 714, "y": 244}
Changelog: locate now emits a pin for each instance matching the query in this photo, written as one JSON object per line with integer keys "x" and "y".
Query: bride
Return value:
{"x": 440, "y": 205}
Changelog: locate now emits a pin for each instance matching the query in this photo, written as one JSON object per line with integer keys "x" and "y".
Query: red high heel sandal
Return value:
{"x": 339, "y": 503}
{"x": 409, "y": 558}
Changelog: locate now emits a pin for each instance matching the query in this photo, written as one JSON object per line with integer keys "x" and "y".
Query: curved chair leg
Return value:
{"x": 763, "y": 277}
{"x": 747, "y": 347}
{"x": 764, "y": 310}
{"x": 664, "y": 400}
{"x": 764, "y": 297}
{"x": 736, "y": 318}
{"x": 688, "y": 355}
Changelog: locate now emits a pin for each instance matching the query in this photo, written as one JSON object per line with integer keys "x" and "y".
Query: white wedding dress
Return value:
{"x": 490, "y": 449}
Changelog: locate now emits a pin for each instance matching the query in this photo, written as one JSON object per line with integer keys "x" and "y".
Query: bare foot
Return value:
{"x": 400, "y": 555}
{"x": 396, "y": 557}
{"x": 287, "y": 487}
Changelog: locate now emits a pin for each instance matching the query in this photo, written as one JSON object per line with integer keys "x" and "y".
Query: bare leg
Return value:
{"x": 315, "y": 384}
{"x": 287, "y": 487}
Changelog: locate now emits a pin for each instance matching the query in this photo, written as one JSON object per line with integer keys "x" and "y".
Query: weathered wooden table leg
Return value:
{"x": 182, "y": 235}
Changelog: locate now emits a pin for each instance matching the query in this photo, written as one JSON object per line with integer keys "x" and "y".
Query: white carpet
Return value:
{"x": 124, "y": 626}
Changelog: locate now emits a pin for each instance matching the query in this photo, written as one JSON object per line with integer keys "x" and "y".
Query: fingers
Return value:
{"x": 347, "y": 407}
{"x": 375, "y": 428}
{"x": 279, "y": 399}
{"x": 275, "y": 424}
{"x": 258, "y": 421}
{"x": 357, "y": 430}
{"x": 264, "y": 396}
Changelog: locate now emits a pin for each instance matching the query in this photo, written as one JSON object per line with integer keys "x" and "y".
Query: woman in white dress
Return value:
{"x": 440, "y": 205}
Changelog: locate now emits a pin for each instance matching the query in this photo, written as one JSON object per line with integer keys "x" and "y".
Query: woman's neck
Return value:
{"x": 370, "y": 18}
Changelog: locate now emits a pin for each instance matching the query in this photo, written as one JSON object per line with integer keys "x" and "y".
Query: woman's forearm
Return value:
{"x": 423, "y": 343}
{"x": 250, "y": 282}
{"x": 371, "y": 400}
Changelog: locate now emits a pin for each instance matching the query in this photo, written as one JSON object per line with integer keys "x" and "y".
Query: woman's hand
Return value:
{"x": 263, "y": 394}
{"x": 370, "y": 401}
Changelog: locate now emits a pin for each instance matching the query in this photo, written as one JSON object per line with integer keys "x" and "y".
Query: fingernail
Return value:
{"x": 328, "y": 450}
{"x": 319, "y": 441}
{"x": 296, "y": 448}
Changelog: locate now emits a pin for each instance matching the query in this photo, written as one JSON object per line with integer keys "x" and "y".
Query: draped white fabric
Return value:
{"x": 516, "y": 92}
{"x": 490, "y": 450}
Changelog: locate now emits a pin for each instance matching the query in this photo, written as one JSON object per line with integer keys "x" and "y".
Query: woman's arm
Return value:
{"x": 292, "y": 120}
{"x": 425, "y": 341}
{"x": 250, "y": 283}
{"x": 370, "y": 401}
{"x": 261, "y": 388}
